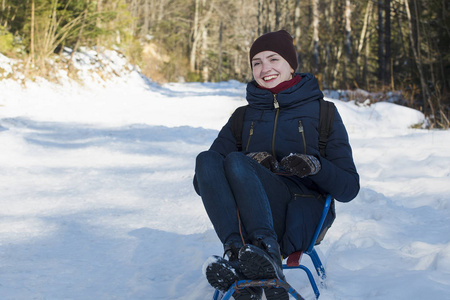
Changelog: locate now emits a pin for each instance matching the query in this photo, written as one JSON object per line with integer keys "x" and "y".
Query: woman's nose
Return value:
{"x": 265, "y": 67}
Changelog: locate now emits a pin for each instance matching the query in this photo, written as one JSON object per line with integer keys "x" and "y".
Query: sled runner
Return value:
{"x": 293, "y": 262}
{"x": 241, "y": 284}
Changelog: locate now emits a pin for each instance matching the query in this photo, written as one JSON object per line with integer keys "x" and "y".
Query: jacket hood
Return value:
{"x": 305, "y": 91}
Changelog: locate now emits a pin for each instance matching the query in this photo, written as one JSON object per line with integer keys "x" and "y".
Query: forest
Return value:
{"x": 379, "y": 46}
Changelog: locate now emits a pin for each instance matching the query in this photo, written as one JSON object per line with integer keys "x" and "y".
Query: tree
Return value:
{"x": 387, "y": 43}
{"x": 414, "y": 36}
{"x": 363, "y": 44}
{"x": 401, "y": 44}
{"x": 348, "y": 39}
{"x": 381, "y": 45}
{"x": 315, "y": 46}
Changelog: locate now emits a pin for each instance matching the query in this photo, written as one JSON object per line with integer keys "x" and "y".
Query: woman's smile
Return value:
{"x": 270, "y": 69}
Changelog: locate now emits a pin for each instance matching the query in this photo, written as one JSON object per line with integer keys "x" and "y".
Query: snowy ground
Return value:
{"x": 97, "y": 201}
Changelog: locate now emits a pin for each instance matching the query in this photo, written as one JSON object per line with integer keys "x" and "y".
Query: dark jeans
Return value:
{"x": 238, "y": 181}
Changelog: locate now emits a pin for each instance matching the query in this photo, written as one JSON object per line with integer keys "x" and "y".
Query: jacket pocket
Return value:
{"x": 296, "y": 195}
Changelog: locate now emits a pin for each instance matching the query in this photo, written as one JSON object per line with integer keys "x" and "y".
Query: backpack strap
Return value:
{"x": 326, "y": 118}
{"x": 237, "y": 123}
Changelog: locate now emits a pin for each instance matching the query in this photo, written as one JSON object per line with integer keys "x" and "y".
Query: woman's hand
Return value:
{"x": 265, "y": 159}
{"x": 300, "y": 164}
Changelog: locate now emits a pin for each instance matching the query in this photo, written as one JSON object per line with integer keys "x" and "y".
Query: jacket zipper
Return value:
{"x": 277, "y": 107}
{"x": 302, "y": 132}
{"x": 250, "y": 135}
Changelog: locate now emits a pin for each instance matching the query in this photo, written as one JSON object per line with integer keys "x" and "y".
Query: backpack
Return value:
{"x": 326, "y": 118}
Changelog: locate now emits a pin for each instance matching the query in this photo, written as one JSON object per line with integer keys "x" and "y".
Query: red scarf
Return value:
{"x": 284, "y": 85}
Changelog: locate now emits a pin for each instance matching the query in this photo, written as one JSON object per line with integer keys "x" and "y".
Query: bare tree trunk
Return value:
{"x": 347, "y": 41}
{"x": 329, "y": 64}
{"x": 400, "y": 33}
{"x": 298, "y": 33}
{"x": 366, "y": 67}
{"x": 30, "y": 60}
{"x": 147, "y": 15}
{"x": 199, "y": 32}
{"x": 362, "y": 40}
{"x": 237, "y": 63}
{"x": 195, "y": 38}
{"x": 51, "y": 27}
{"x": 285, "y": 16}
{"x": 205, "y": 68}
{"x": 277, "y": 15}
{"x": 417, "y": 56}
{"x": 270, "y": 16}
{"x": 315, "y": 51}
{"x": 387, "y": 41}
{"x": 153, "y": 11}
{"x": 367, "y": 19}
{"x": 260, "y": 17}
{"x": 348, "y": 28}
{"x": 3, "y": 12}
{"x": 338, "y": 65}
{"x": 80, "y": 33}
{"x": 32, "y": 33}
{"x": 134, "y": 9}
{"x": 219, "y": 67}
{"x": 381, "y": 56}
{"x": 161, "y": 10}
{"x": 430, "y": 58}
{"x": 98, "y": 22}
{"x": 297, "y": 26}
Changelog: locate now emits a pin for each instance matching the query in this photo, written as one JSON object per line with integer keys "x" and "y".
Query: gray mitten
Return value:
{"x": 265, "y": 159}
{"x": 301, "y": 165}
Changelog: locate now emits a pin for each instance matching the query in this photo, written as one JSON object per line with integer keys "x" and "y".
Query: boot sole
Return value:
{"x": 256, "y": 263}
{"x": 220, "y": 276}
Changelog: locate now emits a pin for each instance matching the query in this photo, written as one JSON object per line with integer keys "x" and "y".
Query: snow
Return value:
{"x": 97, "y": 198}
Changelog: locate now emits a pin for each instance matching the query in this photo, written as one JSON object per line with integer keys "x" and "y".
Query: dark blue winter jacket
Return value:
{"x": 287, "y": 123}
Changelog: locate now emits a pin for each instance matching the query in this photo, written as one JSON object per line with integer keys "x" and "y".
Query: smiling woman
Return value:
{"x": 266, "y": 201}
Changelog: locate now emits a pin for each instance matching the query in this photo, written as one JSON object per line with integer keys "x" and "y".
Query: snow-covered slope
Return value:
{"x": 97, "y": 199}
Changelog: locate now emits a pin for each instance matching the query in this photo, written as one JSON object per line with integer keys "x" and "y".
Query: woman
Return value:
{"x": 266, "y": 201}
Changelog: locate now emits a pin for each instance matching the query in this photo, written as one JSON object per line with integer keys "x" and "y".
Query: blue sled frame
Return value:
{"x": 311, "y": 252}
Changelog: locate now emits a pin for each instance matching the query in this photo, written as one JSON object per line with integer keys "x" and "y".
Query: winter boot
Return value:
{"x": 262, "y": 260}
{"x": 222, "y": 273}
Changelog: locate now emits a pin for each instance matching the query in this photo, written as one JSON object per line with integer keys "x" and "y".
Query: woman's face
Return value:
{"x": 270, "y": 69}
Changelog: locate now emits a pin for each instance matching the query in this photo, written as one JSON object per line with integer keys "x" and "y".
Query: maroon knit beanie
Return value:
{"x": 280, "y": 42}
